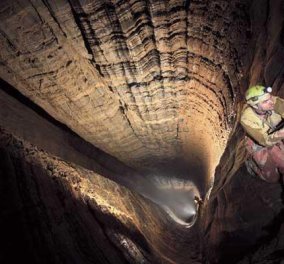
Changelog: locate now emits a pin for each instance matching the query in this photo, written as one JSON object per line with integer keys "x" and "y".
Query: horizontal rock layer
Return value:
{"x": 145, "y": 81}
{"x": 148, "y": 82}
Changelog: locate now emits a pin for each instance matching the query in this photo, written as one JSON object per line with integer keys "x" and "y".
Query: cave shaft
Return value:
{"x": 142, "y": 80}
{"x": 135, "y": 93}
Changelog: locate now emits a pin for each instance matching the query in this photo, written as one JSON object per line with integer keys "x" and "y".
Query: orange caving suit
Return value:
{"x": 267, "y": 151}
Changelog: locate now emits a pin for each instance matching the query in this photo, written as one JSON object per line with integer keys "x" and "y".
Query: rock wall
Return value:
{"x": 149, "y": 82}
{"x": 53, "y": 211}
{"x": 244, "y": 216}
{"x": 142, "y": 80}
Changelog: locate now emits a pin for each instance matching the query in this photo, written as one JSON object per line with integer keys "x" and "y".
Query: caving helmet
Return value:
{"x": 256, "y": 94}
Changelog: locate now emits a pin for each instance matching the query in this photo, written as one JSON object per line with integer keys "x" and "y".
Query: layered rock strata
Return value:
{"x": 141, "y": 80}
{"x": 149, "y": 82}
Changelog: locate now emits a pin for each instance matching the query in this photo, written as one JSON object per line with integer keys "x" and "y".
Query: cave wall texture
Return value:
{"x": 130, "y": 88}
{"x": 131, "y": 77}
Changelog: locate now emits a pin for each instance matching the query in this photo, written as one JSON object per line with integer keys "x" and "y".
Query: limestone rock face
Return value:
{"x": 148, "y": 84}
{"x": 54, "y": 211}
{"x": 245, "y": 212}
{"x": 142, "y": 80}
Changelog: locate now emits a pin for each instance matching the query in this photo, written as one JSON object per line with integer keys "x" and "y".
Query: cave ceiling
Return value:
{"x": 144, "y": 81}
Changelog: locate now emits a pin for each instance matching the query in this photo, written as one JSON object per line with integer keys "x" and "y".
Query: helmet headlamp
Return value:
{"x": 258, "y": 92}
